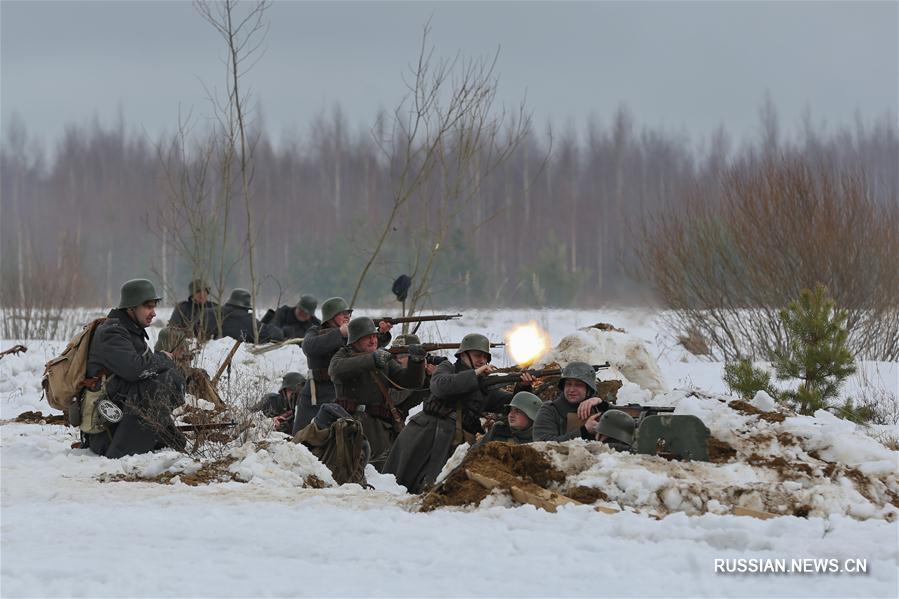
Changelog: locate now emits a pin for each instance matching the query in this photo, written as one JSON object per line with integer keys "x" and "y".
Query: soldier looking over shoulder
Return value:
{"x": 237, "y": 320}
{"x": 295, "y": 321}
{"x": 141, "y": 386}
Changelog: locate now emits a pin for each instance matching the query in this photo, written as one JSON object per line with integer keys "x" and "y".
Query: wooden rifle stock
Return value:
{"x": 205, "y": 427}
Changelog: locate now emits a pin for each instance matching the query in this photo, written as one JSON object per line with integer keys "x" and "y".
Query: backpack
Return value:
{"x": 64, "y": 375}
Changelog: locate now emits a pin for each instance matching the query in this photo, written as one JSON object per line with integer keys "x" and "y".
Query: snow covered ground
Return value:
{"x": 69, "y": 526}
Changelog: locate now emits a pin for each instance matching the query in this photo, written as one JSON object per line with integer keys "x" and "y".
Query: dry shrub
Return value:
{"x": 729, "y": 260}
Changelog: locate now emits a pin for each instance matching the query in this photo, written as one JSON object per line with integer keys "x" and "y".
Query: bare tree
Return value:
{"x": 446, "y": 138}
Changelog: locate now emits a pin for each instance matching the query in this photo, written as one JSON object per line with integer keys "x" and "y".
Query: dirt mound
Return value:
{"x": 585, "y": 494}
{"x": 745, "y": 407}
{"x": 210, "y": 472}
{"x": 39, "y": 418}
{"x": 720, "y": 452}
{"x": 510, "y": 465}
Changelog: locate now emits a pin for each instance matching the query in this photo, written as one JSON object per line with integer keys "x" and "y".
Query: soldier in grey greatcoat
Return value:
{"x": 450, "y": 417}
{"x": 143, "y": 384}
{"x": 237, "y": 320}
{"x": 406, "y": 400}
{"x": 571, "y": 415}
{"x": 363, "y": 375}
{"x": 320, "y": 343}
{"x": 196, "y": 314}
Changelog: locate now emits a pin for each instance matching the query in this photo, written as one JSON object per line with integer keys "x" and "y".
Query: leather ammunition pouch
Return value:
{"x": 320, "y": 375}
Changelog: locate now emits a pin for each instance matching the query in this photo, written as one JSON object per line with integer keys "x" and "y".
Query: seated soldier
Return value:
{"x": 571, "y": 415}
{"x": 280, "y": 406}
{"x": 362, "y": 375}
{"x": 519, "y": 426}
{"x": 196, "y": 314}
{"x": 451, "y": 415}
{"x": 294, "y": 321}
{"x": 616, "y": 429}
{"x": 407, "y": 399}
{"x": 138, "y": 388}
{"x": 237, "y": 322}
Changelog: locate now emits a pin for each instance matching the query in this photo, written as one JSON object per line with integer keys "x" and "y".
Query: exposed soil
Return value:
{"x": 39, "y": 418}
{"x": 585, "y": 494}
{"x": 719, "y": 451}
{"x": 210, "y": 472}
{"x": 606, "y": 388}
{"x": 604, "y": 326}
{"x": 314, "y": 482}
{"x": 744, "y": 407}
{"x": 509, "y": 464}
{"x": 784, "y": 468}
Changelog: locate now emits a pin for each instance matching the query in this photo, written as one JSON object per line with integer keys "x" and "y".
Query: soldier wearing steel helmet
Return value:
{"x": 571, "y": 415}
{"x": 450, "y": 417}
{"x": 616, "y": 429}
{"x": 518, "y": 427}
{"x": 144, "y": 385}
{"x": 281, "y": 406}
{"x": 363, "y": 375}
{"x": 237, "y": 320}
{"x": 196, "y": 314}
{"x": 320, "y": 343}
{"x": 408, "y": 399}
{"x": 295, "y": 321}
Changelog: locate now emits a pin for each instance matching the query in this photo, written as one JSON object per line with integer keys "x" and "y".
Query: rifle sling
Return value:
{"x": 398, "y": 420}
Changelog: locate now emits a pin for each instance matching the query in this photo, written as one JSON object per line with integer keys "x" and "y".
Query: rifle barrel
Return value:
{"x": 434, "y": 347}
{"x": 405, "y": 319}
{"x": 203, "y": 427}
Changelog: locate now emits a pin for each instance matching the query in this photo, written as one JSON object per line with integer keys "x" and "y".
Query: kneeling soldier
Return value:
{"x": 281, "y": 405}
{"x": 569, "y": 415}
{"x": 363, "y": 374}
{"x": 519, "y": 425}
{"x": 237, "y": 321}
{"x": 142, "y": 387}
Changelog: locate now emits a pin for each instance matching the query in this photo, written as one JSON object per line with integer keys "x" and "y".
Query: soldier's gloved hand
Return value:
{"x": 381, "y": 357}
{"x": 416, "y": 353}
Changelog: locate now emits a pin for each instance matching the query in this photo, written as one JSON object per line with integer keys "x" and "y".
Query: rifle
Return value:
{"x": 404, "y": 319}
{"x": 204, "y": 427}
{"x": 225, "y": 363}
{"x": 638, "y": 412}
{"x": 492, "y": 380}
{"x": 261, "y": 349}
{"x": 433, "y": 347}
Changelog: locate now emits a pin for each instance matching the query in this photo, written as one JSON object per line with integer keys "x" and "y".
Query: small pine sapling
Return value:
{"x": 746, "y": 380}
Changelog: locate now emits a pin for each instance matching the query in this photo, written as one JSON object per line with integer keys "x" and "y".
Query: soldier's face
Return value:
{"x": 200, "y": 296}
{"x": 301, "y": 314}
{"x": 476, "y": 358}
{"x": 342, "y": 318}
{"x": 518, "y": 419}
{"x": 367, "y": 344}
{"x": 575, "y": 391}
{"x": 144, "y": 313}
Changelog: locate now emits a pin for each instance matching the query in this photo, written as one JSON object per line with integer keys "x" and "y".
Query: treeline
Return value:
{"x": 558, "y": 223}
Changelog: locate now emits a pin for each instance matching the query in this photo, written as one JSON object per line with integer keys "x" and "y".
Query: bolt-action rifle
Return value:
{"x": 491, "y": 380}
{"x": 433, "y": 347}
{"x": 404, "y": 319}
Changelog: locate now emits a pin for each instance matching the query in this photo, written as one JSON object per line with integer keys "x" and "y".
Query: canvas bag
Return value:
{"x": 64, "y": 375}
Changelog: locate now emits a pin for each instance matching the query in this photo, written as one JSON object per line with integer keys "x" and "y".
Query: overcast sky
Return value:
{"x": 687, "y": 66}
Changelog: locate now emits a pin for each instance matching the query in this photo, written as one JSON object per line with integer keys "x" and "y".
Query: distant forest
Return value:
{"x": 557, "y": 224}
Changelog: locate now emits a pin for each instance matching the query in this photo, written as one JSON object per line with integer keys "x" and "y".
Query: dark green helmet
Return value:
{"x": 403, "y": 341}
{"x": 527, "y": 403}
{"x": 332, "y": 307}
{"x": 474, "y": 342}
{"x": 580, "y": 371}
{"x": 137, "y": 291}
{"x": 170, "y": 339}
{"x": 360, "y": 327}
{"x": 308, "y": 303}
{"x": 197, "y": 285}
{"x": 617, "y": 425}
{"x": 293, "y": 380}
{"x": 240, "y": 298}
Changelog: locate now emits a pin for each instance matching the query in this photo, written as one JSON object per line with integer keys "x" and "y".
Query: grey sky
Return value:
{"x": 684, "y": 65}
